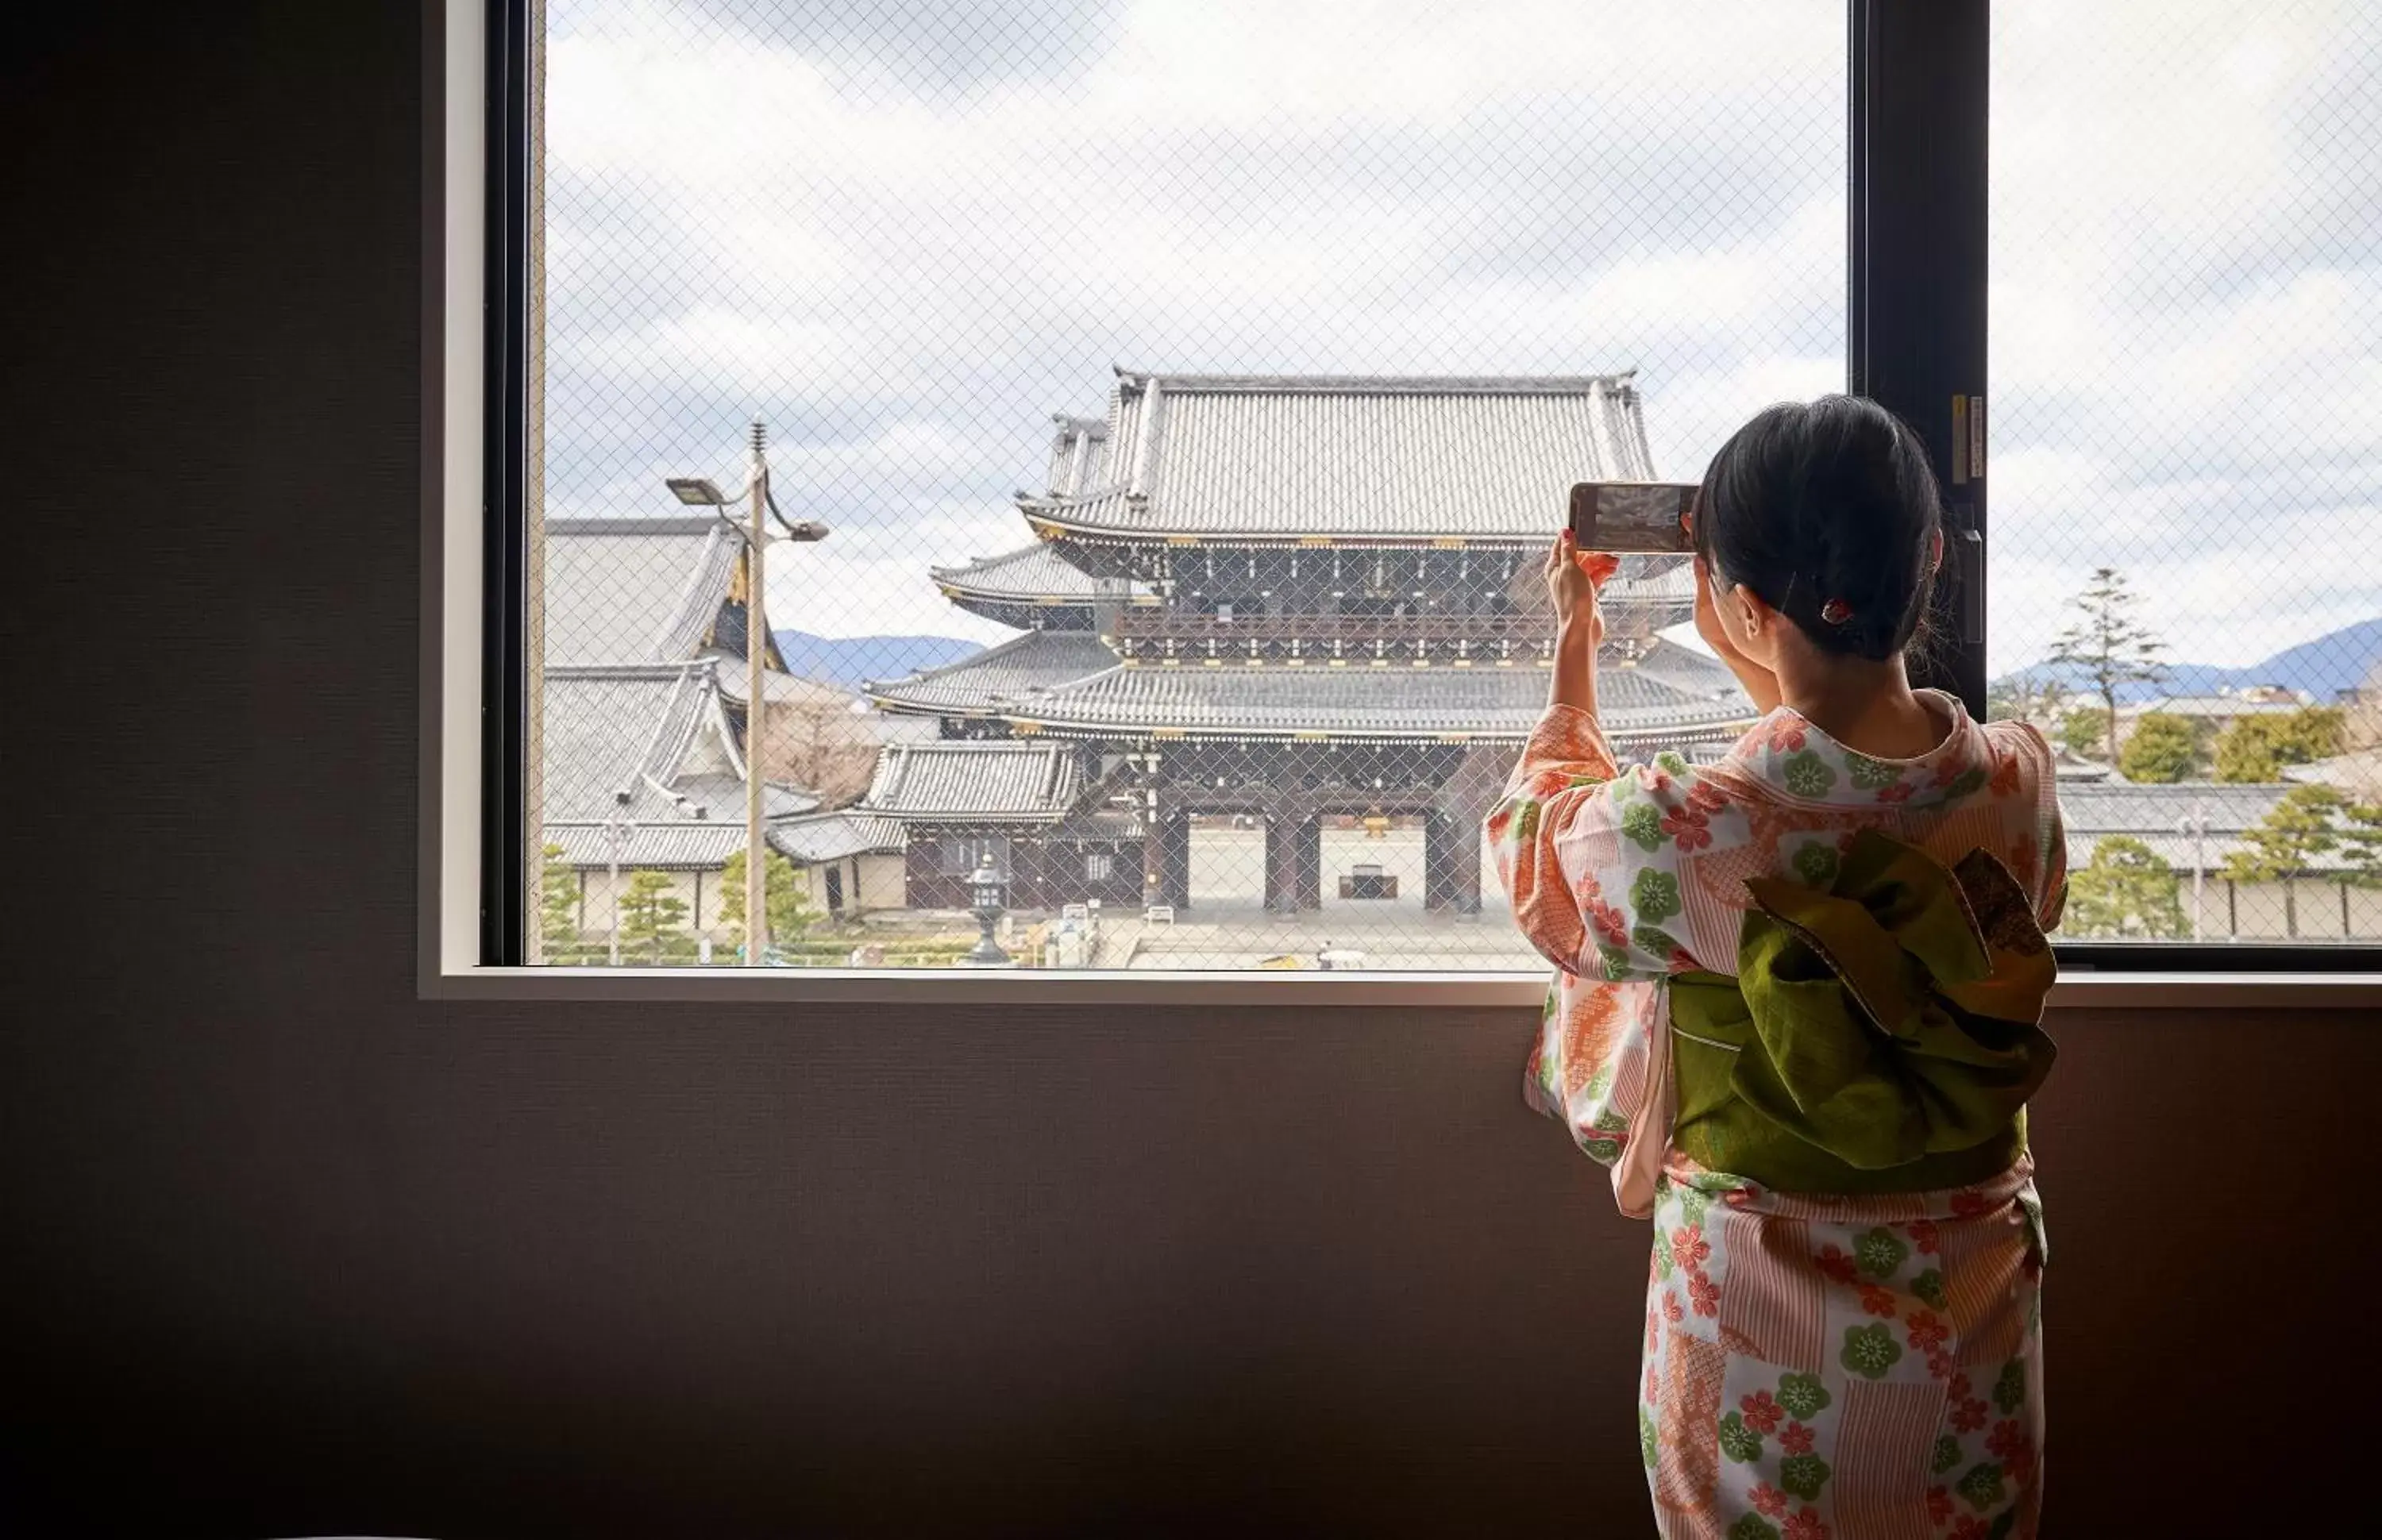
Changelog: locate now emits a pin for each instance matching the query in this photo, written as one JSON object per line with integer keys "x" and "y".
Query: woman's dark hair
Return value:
{"x": 1829, "y": 512}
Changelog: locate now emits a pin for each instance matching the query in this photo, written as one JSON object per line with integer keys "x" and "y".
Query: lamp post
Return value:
{"x": 616, "y": 831}
{"x": 696, "y": 492}
{"x": 2196, "y": 823}
{"x": 988, "y": 888}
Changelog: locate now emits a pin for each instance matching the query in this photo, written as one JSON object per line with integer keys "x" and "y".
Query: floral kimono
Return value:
{"x": 1796, "y": 1012}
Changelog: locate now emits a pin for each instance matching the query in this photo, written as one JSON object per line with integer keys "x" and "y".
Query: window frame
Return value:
{"x": 1915, "y": 294}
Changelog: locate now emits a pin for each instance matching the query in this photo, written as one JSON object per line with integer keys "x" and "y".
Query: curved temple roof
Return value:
{"x": 1256, "y": 458}
{"x": 1074, "y": 685}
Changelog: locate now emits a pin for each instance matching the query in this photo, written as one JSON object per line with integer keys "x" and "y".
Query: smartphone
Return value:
{"x": 1632, "y": 515}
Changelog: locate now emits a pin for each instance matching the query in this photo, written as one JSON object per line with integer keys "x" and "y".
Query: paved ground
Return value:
{"x": 1226, "y": 926}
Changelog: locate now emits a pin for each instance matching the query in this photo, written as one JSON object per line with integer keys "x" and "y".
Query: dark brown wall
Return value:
{"x": 289, "y": 1252}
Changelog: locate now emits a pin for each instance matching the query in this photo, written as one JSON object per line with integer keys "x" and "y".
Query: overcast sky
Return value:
{"x": 907, "y": 233}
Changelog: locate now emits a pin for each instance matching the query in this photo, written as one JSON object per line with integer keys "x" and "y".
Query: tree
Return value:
{"x": 790, "y": 918}
{"x": 2023, "y": 698}
{"x": 2286, "y": 843}
{"x": 820, "y": 739}
{"x": 2109, "y": 645}
{"x": 652, "y": 919}
{"x": 2126, "y": 889}
{"x": 2362, "y": 721}
{"x": 2362, "y": 843}
{"x": 560, "y": 892}
{"x": 2256, "y": 748}
{"x": 2313, "y": 733}
{"x": 2084, "y": 732}
{"x": 2163, "y": 747}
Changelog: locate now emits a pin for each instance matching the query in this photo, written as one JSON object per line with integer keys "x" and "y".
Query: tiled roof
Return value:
{"x": 1015, "y": 671}
{"x": 658, "y": 734}
{"x": 1363, "y": 702}
{"x": 1391, "y": 459}
{"x": 1035, "y": 573}
{"x": 2358, "y": 772}
{"x": 955, "y": 780}
{"x": 1075, "y": 684}
{"x": 683, "y": 847}
{"x": 2156, "y": 814}
{"x": 1078, "y": 455}
{"x": 734, "y": 675}
{"x": 2129, "y": 807}
{"x": 634, "y": 590}
{"x": 824, "y": 836}
{"x": 2225, "y": 706}
{"x": 622, "y": 728}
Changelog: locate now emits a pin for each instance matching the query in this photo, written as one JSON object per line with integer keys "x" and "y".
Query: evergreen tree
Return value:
{"x": 652, "y": 919}
{"x": 2084, "y": 732}
{"x": 2285, "y": 844}
{"x": 2126, "y": 889}
{"x": 2362, "y": 843}
{"x": 2109, "y": 645}
{"x": 560, "y": 891}
{"x": 2163, "y": 747}
{"x": 790, "y": 918}
{"x": 2256, "y": 748}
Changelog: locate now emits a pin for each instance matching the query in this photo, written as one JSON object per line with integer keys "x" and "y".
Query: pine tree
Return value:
{"x": 2084, "y": 732}
{"x": 2362, "y": 843}
{"x": 2110, "y": 644}
{"x": 790, "y": 918}
{"x": 2285, "y": 844}
{"x": 2126, "y": 889}
{"x": 560, "y": 891}
{"x": 652, "y": 919}
{"x": 2163, "y": 747}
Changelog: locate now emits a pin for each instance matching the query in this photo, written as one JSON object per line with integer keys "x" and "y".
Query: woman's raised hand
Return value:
{"x": 1573, "y": 578}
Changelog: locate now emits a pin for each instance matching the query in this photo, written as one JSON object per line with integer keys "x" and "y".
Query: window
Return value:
{"x": 1295, "y": 323}
{"x": 2187, "y": 559}
{"x": 1155, "y": 414}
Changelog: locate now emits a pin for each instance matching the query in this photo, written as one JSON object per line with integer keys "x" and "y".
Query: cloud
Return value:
{"x": 908, "y": 235}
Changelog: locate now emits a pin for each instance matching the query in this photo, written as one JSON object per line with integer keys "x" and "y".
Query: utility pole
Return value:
{"x": 2196, "y": 824}
{"x": 757, "y": 647}
{"x": 699, "y": 491}
{"x": 616, "y": 834}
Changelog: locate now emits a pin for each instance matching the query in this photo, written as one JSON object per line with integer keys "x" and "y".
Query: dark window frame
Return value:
{"x": 1915, "y": 339}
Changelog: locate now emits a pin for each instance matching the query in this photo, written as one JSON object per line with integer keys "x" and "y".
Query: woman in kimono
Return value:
{"x": 1796, "y": 1011}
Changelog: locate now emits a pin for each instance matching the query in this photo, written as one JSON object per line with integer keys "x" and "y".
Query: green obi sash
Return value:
{"x": 1880, "y": 1035}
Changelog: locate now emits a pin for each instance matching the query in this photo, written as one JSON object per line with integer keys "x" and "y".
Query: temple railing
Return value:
{"x": 1157, "y": 625}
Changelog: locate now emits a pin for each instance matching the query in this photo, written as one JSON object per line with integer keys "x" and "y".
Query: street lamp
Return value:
{"x": 700, "y": 491}
{"x": 2196, "y": 823}
{"x": 985, "y": 886}
{"x": 616, "y": 831}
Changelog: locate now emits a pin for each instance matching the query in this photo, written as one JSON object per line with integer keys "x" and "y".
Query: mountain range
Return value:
{"x": 2324, "y": 667}
{"x": 850, "y": 661}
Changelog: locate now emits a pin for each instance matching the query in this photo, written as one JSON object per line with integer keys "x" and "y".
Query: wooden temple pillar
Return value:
{"x": 1166, "y": 858}
{"x": 1451, "y": 861}
{"x": 1294, "y": 859}
{"x": 1451, "y": 851}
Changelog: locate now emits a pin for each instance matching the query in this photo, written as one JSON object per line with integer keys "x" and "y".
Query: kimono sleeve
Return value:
{"x": 2050, "y": 831}
{"x": 1590, "y": 854}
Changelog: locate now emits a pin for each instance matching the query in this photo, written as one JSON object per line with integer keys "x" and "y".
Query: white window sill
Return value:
{"x": 2080, "y": 989}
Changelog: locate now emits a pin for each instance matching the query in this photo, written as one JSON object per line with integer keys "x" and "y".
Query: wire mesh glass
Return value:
{"x": 2186, "y": 434}
{"x": 1188, "y": 390}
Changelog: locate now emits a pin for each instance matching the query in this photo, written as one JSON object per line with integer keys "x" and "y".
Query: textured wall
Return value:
{"x": 289, "y": 1252}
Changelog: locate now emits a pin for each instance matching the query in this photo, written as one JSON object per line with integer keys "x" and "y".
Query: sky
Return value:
{"x": 907, "y": 233}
